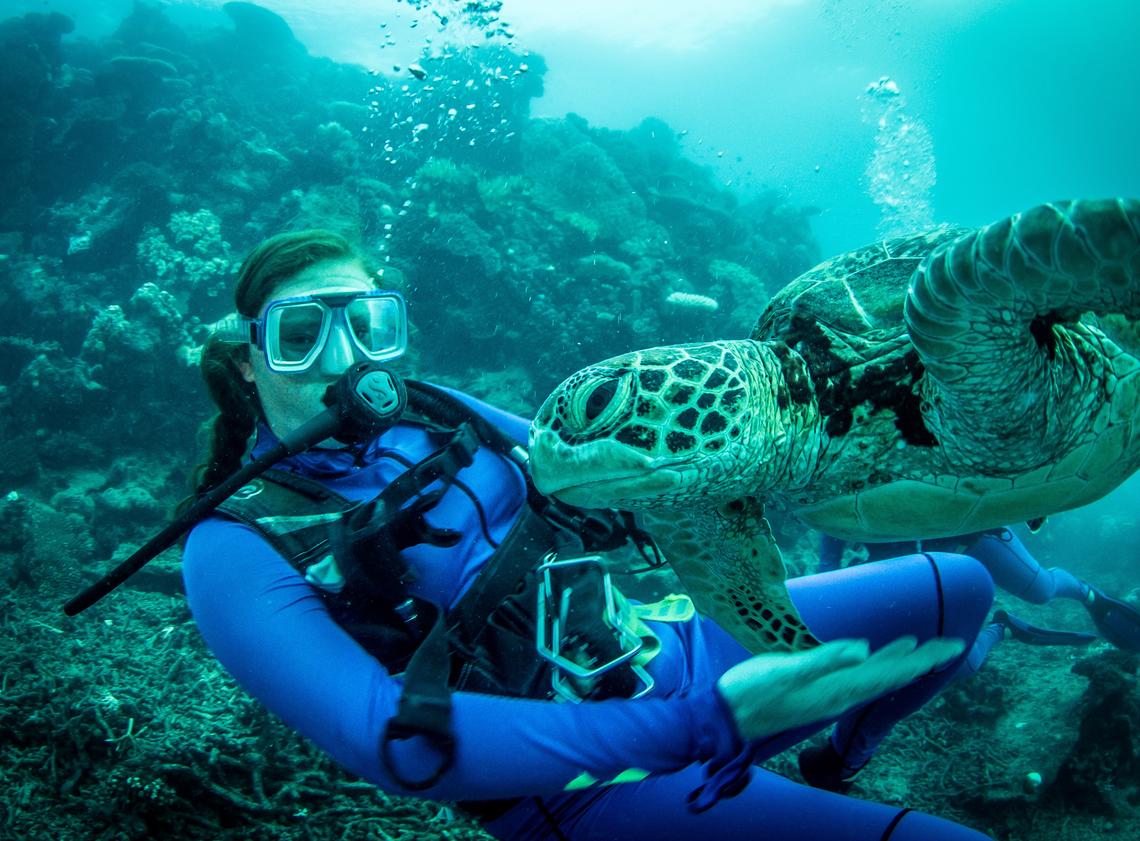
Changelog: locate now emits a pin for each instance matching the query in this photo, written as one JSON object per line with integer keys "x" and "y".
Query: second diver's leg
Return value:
{"x": 1015, "y": 570}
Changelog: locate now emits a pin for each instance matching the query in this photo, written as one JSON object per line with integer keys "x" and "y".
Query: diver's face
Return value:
{"x": 291, "y": 399}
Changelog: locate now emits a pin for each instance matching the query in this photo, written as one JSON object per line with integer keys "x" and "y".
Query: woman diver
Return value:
{"x": 380, "y": 597}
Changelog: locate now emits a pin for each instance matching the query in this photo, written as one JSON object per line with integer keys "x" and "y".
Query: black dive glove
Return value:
{"x": 367, "y": 540}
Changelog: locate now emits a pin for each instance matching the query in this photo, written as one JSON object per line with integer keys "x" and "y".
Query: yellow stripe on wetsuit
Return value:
{"x": 672, "y": 608}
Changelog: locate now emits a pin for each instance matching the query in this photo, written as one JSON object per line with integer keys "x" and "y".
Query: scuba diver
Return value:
{"x": 1015, "y": 570}
{"x": 408, "y": 601}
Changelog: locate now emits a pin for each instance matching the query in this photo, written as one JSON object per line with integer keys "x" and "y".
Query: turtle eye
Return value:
{"x": 597, "y": 404}
{"x": 600, "y": 398}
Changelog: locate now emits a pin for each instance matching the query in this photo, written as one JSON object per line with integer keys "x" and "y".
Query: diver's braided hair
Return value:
{"x": 237, "y": 415}
{"x": 270, "y": 264}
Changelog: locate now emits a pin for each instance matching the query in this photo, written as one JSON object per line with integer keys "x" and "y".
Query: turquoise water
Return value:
{"x": 684, "y": 161}
{"x": 1024, "y": 100}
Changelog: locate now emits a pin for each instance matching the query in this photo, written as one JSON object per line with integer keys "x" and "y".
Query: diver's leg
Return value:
{"x": 925, "y": 596}
{"x": 987, "y": 638}
{"x": 1016, "y": 570}
{"x": 1006, "y": 625}
{"x": 918, "y": 595}
{"x": 769, "y": 807}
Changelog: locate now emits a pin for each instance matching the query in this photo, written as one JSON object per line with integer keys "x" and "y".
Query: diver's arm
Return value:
{"x": 271, "y": 630}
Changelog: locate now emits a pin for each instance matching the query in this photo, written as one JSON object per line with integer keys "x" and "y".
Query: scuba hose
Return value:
{"x": 429, "y": 401}
{"x": 367, "y": 400}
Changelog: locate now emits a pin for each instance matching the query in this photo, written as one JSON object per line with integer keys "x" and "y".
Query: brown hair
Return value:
{"x": 266, "y": 268}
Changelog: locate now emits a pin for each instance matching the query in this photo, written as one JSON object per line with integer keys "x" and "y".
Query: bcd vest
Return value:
{"x": 487, "y": 642}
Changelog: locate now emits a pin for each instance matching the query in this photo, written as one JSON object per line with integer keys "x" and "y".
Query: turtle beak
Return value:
{"x": 593, "y": 475}
{"x": 553, "y": 464}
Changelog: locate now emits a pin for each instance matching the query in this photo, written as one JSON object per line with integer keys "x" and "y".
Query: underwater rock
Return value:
{"x": 19, "y": 461}
{"x": 97, "y": 229}
{"x": 157, "y": 309}
{"x": 55, "y": 392}
{"x": 334, "y": 154}
{"x": 43, "y": 308}
{"x": 13, "y": 521}
{"x": 352, "y": 115}
{"x": 30, "y": 59}
{"x": 57, "y": 547}
{"x": 447, "y": 185}
{"x": 742, "y": 288}
{"x": 459, "y": 251}
{"x": 120, "y": 511}
{"x": 575, "y": 176}
{"x": 1101, "y": 774}
{"x": 261, "y": 32}
{"x": 30, "y": 56}
{"x": 135, "y": 75}
{"x": 144, "y": 348}
{"x": 148, "y": 27}
{"x": 603, "y": 269}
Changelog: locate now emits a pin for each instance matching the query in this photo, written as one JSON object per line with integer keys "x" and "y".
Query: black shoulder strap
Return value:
{"x": 425, "y": 703}
{"x": 292, "y": 512}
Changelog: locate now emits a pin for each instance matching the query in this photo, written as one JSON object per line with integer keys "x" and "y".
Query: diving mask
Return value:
{"x": 293, "y": 332}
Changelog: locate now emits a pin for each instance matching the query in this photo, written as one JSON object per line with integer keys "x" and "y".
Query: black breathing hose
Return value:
{"x": 363, "y": 403}
{"x": 432, "y": 402}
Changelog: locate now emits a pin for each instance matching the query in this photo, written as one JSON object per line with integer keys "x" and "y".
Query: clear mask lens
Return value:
{"x": 377, "y": 326}
{"x": 297, "y": 331}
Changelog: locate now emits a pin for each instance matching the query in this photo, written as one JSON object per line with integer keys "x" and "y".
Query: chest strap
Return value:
{"x": 425, "y": 704}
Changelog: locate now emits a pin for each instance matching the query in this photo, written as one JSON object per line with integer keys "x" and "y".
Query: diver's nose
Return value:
{"x": 338, "y": 354}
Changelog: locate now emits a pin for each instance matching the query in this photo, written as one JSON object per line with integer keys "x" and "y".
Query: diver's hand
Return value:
{"x": 771, "y": 693}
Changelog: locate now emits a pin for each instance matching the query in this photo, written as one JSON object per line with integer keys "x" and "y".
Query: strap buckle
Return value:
{"x": 424, "y": 711}
{"x": 399, "y": 731}
{"x": 574, "y": 594}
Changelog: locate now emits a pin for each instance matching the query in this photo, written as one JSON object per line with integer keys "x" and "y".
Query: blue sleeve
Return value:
{"x": 272, "y": 632}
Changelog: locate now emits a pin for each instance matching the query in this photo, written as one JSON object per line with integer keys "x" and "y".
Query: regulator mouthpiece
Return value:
{"x": 368, "y": 400}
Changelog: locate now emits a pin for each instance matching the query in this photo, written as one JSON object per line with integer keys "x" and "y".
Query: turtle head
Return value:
{"x": 657, "y": 426}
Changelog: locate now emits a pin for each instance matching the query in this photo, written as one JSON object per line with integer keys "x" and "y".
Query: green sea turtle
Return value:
{"x": 937, "y": 384}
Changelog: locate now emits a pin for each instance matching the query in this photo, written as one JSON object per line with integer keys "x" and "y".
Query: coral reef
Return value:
{"x": 120, "y": 725}
{"x": 190, "y": 261}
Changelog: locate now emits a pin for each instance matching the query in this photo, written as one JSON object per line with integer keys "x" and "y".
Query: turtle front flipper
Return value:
{"x": 1012, "y": 375}
{"x": 732, "y": 569}
{"x": 1053, "y": 262}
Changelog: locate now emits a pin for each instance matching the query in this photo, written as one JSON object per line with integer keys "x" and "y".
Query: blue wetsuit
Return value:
{"x": 606, "y": 769}
{"x": 1012, "y": 566}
